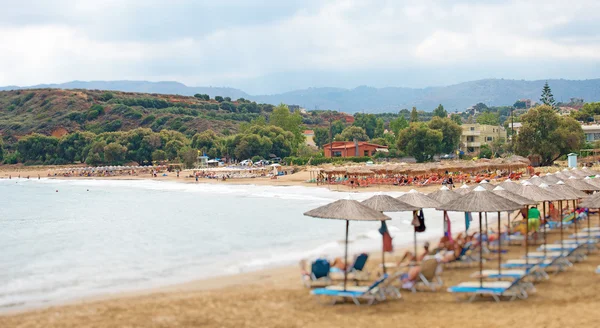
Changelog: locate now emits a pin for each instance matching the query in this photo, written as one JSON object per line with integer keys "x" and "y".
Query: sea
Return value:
{"x": 62, "y": 240}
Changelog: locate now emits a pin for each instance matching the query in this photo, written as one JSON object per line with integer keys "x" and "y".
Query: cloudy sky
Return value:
{"x": 272, "y": 46}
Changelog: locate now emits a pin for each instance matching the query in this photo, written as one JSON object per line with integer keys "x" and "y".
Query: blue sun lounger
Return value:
{"x": 495, "y": 289}
{"x": 371, "y": 294}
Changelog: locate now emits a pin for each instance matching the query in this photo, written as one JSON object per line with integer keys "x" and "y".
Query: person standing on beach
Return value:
{"x": 534, "y": 221}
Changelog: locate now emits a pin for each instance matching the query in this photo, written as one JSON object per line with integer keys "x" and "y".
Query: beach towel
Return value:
{"x": 421, "y": 221}
{"x": 447, "y": 227}
{"x": 468, "y": 219}
{"x": 387, "y": 238}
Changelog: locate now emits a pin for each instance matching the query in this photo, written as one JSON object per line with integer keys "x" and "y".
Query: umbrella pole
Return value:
{"x": 499, "y": 247}
{"x": 527, "y": 237}
{"x": 589, "y": 233}
{"x": 480, "y": 254}
{"x": 575, "y": 221}
{"x": 487, "y": 232}
{"x": 383, "y": 255}
{"x": 561, "y": 228}
{"x": 544, "y": 227}
{"x": 415, "y": 240}
{"x": 346, "y": 257}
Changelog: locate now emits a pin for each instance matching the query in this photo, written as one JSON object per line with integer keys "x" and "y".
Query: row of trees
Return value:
{"x": 281, "y": 136}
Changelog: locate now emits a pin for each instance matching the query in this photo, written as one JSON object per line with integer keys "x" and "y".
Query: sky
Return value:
{"x": 273, "y": 46}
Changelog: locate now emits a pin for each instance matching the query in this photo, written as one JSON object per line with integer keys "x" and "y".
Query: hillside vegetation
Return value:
{"x": 52, "y": 111}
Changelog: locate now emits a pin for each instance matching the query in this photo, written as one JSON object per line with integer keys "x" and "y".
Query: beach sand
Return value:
{"x": 297, "y": 179}
{"x": 276, "y": 298}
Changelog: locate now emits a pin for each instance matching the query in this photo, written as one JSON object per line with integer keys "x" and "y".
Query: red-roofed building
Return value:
{"x": 351, "y": 149}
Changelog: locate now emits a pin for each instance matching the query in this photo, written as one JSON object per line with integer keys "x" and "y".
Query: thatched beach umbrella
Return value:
{"x": 419, "y": 200}
{"x": 444, "y": 195}
{"x": 550, "y": 179}
{"x": 581, "y": 185}
{"x": 346, "y": 209}
{"x": 510, "y": 185}
{"x": 536, "y": 180}
{"x": 464, "y": 189}
{"x": 593, "y": 181}
{"x": 486, "y": 185}
{"x": 591, "y": 202}
{"x": 385, "y": 203}
{"x": 482, "y": 201}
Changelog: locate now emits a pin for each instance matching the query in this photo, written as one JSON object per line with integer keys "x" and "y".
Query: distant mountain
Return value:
{"x": 168, "y": 87}
{"x": 493, "y": 92}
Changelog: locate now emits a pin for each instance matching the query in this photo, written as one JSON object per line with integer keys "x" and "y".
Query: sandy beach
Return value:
{"x": 276, "y": 298}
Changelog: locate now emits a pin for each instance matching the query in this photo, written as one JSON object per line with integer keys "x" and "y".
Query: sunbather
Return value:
{"x": 412, "y": 258}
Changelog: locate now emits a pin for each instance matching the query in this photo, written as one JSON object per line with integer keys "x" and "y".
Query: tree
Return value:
{"x": 587, "y": 112}
{"x": 173, "y": 149}
{"x": 219, "y": 99}
{"x": 548, "y": 135}
{"x": 440, "y": 112}
{"x": 420, "y": 141}
{"x": 227, "y": 99}
{"x": 456, "y": 119}
{"x": 520, "y": 104}
{"x": 1, "y": 151}
{"x": 352, "y": 132}
{"x": 202, "y": 96}
{"x": 488, "y": 118}
{"x": 480, "y": 107}
{"x": 451, "y": 133}
{"x": 398, "y": 124}
{"x": 547, "y": 97}
{"x": 367, "y": 122}
{"x": 114, "y": 153}
{"x": 321, "y": 136}
{"x": 414, "y": 115}
{"x": 485, "y": 151}
{"x": 188, "y": 157}
{"x": 292, "y": 122}
{"x": 159, "y": 155}
{"x": 205, "y": 141}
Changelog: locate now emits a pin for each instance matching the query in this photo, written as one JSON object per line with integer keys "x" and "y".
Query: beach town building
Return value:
{"x": 309, "y": 138}
{"x": 351, "y": 149}
{"x": 475, "y": 135}
{"x": 591, "y": 131}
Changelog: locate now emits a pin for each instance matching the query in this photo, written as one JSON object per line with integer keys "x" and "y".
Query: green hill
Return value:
{"x": 55, "y": 111}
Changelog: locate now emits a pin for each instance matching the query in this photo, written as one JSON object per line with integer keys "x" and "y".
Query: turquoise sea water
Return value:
{"x": 96, "y": 236}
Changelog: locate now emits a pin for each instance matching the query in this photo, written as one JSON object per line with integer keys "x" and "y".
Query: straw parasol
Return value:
{"x": 418, "y": 199}
{"x": 444, "y": 195}
{"x": 581, "y": 185}
{"x": 513, "y": 197}
{"x": 536, "y": 180}
{"x": 481, "y": 200}
{"x": 566, "y": 190}
{"x": 593, "y": 181}
{"x": 510, "y": 185}
{"x": 346, "y": 209}
{"x": 550, "y": 179}
{"x": 486, "y": 185}
{"x": 464, "y": 189}
{"x": 385, "y": 203}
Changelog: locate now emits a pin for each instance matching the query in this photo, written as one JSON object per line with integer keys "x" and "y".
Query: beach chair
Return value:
{"x": 429, "y": 277}
{"x": 496, "y": 289}
{"x": 356, "y": 272}
{"x": 371, "y": 294}
{"x": 572, "y": 249}
{"x": 467, "y": 256}
{"x": 511, "y": 275}
{"x": 385, "y": 289}
{"x": 318, "y": 275}
{"x": 593, "y": 229}
{"x": 539, "y": 266}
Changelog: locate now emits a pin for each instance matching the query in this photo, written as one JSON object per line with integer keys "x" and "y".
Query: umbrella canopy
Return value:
{"x": 418, "y": 199}
{"x": 444, "y": 195}
{"x": 513, "y": 197}
{"x": 510, "y": 186}
{"x": 568, "y": 191}
{"x": 347, "y": 209}
{"x": 533, "y": 192}
{"x": 536, "y": 180}
{"x": 562, "y": 176}
{"x": 464, "y": 189}
{"x": 593, "y": 181}
{"x": 550, "y": 179}
{"x": 385, "y": 203}
{"x": 591, "y": 202}
{"x": 580, "y": 184}
{"x": 579, "y": 173}
{"x": 480, "y": 200}
{"x": 486, "y": 185}
{"x": 558, "y": 195}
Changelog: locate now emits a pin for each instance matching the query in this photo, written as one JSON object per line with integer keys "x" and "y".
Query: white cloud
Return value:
{"x": 89, "y": 40}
